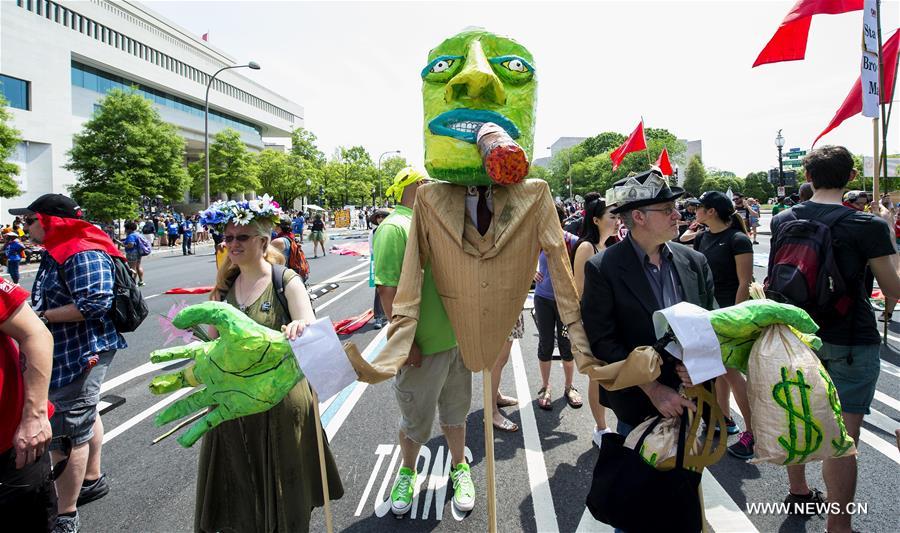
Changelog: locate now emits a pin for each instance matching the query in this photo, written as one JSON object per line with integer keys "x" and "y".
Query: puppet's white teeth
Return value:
{"x": 466, "y": 126}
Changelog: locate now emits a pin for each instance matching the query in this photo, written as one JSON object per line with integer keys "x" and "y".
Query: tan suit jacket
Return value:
{"x": 484, "y": 280}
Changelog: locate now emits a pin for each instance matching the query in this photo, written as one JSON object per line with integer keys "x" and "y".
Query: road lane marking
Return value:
{"x": 588, "y": 524}
{"x": 382, "y": 451}
{"x": 887, "y": 400}
{"x": 541, "y": 497}
{"x": 722, "y": 513}
{"x": 882, "y": 421}
{"x": 883, "y": 446}
{"x": 138, "y": 418}
{"x": 145, "y": 368}
{"x": 340, "y": 408}
{"x": 890, "y": 368}
{"x": 339, "y": 296}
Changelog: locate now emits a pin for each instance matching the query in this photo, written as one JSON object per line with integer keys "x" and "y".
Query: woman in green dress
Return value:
{"x": 261, "y": 472}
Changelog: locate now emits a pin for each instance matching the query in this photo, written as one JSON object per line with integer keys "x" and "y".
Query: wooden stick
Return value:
{"x": 489, "y": 448}
{"x": 876, "y": 201}
{"x": 329, "y": 527}
{"x": 180, "y": 425}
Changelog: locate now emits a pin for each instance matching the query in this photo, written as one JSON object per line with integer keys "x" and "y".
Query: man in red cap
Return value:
{"x": 73, "y": 294}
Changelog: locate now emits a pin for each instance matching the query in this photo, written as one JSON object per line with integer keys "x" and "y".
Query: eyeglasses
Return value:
{"x": 29, "y": 221}
{"x": 665, "y": 210}
{"x": 240, "y": 238}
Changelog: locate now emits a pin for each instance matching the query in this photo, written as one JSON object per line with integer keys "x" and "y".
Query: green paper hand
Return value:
{"x": 247, "y": 370}
{"x": 739, "y": 326}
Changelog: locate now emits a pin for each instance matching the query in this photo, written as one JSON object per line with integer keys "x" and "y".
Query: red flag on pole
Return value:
{"x": 205, "y": 37}
{"x": 789, "y": 41}
{"x": 665, "y": 166}
{"x": 635, "y": 143}
{"x": 853, "y": 103}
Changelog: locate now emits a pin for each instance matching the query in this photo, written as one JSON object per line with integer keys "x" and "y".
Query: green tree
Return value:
{"x": 723, "y": 183}
{"x": 303, "y": 145}
{"x": 349, "y": 176}
{"x": 125, "y": 151}
{"x": 757, "y": 185}
{"x": 280, "y": 176}
{"x": 231, "y": 167}
{"x": 602, "y": 143}
{"x": 9, "y": 139}
{"x": 694, "y": 176}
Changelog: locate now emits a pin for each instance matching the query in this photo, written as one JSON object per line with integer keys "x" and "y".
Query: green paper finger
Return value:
{"x": 167, "y": 383}
{"x": 227, "y": 320}
{"x": 185, "y": 406}
{"x": 188, "y": 351}
{"x": 193, "y": 434}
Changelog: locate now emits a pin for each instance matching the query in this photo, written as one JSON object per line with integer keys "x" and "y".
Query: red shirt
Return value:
{"x": 12, "y": 391}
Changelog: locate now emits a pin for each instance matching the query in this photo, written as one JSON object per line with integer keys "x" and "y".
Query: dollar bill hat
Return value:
{"x": 647, "y": 188}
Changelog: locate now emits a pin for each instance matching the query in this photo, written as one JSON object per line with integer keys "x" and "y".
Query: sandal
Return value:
{"x": 506, "y": 401}
{"x": 573, "y": 397}
{"x": 507, "y": 425}
{"x": 543, "y": 399}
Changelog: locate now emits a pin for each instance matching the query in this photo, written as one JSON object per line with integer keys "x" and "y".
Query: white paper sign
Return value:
{"x": 892, "y": 167}
{"x": 697, "y": 345}
{"x": 870, "y": 26}
{"x": 321, "y": 357}
{"x": 869, "y": 80}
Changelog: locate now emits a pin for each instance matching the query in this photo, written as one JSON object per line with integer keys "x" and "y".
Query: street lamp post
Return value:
{"x": 779, "y": 142}
{"x": 379, "y": 169}
{"x": 308, "y": 183}
{"x": 373, "y": 198}
{"x": 253, "y": 65}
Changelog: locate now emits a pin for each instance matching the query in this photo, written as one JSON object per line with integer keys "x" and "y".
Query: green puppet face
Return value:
{"x": 472, "y": 78}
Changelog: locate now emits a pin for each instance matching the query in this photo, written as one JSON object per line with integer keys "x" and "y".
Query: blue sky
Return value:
{"x": 684, "y": 66}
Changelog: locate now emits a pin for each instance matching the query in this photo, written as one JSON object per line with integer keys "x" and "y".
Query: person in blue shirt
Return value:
{"x": 133, "y": 250}
{"x": 297, "y": 226}
{"x": 186, "y": 228}
{"x": 172, "y": 231}
{"x": 13, "y": 249}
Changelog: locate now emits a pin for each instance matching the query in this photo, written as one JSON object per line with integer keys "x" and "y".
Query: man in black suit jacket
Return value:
{"x": 628, "y": 281}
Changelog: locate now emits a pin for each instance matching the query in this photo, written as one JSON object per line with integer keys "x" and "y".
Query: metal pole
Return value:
{"x": 780, "y": 170}
{"x": 251, "y": 65}
{"x": 379, "y": 168}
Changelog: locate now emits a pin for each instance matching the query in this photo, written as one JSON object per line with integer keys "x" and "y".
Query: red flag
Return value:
{"x": 664, "y": 164}
{"x": 789, "y": 41}
{"x": 853, "y": 103}
{"x": 635, "y": 143}
{"x": 205, "y": 36}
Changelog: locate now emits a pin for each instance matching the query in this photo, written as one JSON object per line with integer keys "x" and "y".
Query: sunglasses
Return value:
{"x": 30, "y": 220}
{"x": 239, "y": 238}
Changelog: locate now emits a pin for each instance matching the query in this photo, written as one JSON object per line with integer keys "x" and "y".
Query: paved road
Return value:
{"x": 543, "y": 472}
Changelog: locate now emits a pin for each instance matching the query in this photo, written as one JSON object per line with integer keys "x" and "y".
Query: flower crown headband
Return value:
{"x": 263, "y": 209}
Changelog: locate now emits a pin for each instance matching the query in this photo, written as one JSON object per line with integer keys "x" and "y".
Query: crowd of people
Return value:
{"x": 630, "y": 255}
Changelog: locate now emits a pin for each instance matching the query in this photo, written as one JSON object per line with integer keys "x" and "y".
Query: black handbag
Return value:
{"x": 631, "y": 495}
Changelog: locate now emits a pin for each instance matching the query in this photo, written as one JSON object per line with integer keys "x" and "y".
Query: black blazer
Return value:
{"x": 617, "y": 309}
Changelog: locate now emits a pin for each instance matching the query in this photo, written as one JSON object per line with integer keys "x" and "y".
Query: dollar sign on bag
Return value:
{"x": 812, "y": 432}
{"x": 843, "y": 442}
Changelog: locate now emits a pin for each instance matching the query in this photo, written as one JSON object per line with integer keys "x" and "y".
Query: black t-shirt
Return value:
{"x": 720, "y": 250}
{"x": 317, "y": 225}
{"x": 858, "y": 237}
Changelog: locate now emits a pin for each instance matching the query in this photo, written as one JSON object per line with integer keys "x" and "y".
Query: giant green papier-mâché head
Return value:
{"x": 472, "y": 78}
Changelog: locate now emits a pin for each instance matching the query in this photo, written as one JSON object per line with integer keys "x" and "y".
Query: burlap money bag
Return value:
{"x": 796, "y": 410}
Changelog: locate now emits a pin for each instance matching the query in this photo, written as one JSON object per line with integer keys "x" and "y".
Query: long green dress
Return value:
{"x": 260, "y": 473}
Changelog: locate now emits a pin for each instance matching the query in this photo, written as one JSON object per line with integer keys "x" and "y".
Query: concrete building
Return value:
{"x": 58, "y": 58}
{"x": 560, "y": 144}
{"x": 691, "y": 149}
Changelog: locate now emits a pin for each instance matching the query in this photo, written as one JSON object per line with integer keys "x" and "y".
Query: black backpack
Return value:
{"x": 128, "y": 309}
{"x": 802, "y": 270}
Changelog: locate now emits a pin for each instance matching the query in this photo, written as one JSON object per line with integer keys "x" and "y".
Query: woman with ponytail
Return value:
{"x": 729, "y": 251}
{"x": 599, "y": 229}
{"x": 261, "y": 472}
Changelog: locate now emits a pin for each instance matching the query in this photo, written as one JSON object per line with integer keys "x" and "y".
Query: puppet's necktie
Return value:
{"x": 484, "y": 214}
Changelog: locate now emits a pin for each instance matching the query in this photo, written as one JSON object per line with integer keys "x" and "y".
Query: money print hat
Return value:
{"x": 647, "y": 188}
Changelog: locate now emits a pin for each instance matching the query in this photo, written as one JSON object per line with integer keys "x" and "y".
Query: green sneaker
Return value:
{"x": 463, "y": 488}
{"x": 402, "y": 493}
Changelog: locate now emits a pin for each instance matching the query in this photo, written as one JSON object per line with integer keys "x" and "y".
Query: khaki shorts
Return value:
{"x": 443, "y": 383}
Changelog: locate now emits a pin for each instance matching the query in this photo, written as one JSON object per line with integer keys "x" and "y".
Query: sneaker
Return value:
{"x": 806, "y": 504}
{"x": 731, "y": 426}
{"x": 743, "y": 448}
{"x": 598, "y": 435}
{"x": 463, "y": 488}
{"x": 67, "y": 524}
{"x": 402, "y": 493}
{"x": 93, "y": 490}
